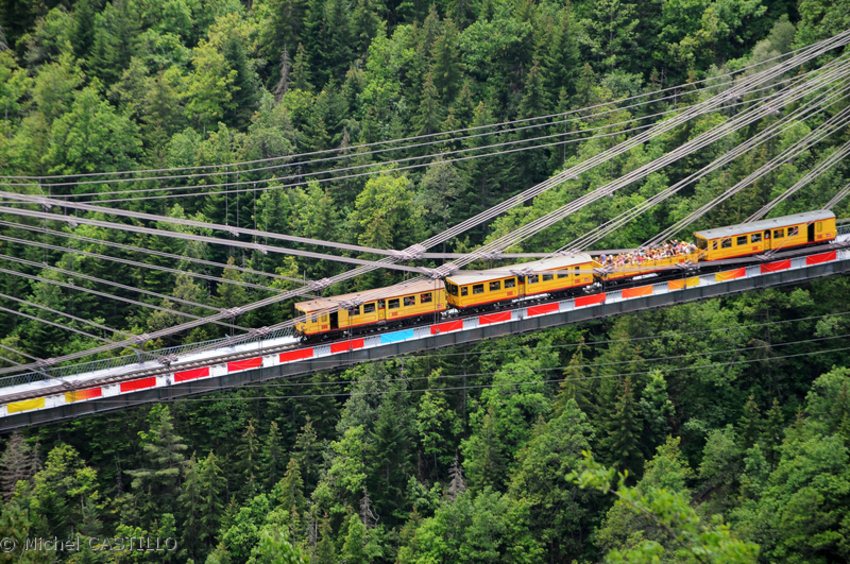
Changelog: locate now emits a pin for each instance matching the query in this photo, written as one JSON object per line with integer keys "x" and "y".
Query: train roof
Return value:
{"x": 542, "y": 265}
{"x": 398, "y": 290}
{"x": 764, "y": 224}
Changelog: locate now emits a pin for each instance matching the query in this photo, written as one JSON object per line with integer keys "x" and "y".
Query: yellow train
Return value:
{"x": 419, "y": 301}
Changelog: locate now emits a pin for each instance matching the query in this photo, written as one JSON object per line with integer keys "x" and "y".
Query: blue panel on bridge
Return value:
{"x": 396, "y": 337}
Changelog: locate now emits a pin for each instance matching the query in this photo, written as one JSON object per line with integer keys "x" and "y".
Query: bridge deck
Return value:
{"x": 53, "y": 400}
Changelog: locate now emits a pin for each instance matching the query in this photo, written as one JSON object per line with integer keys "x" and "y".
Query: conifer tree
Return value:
{"x": 163, "y": 454}
{"x": 191, "y": 498}
{"x": 19, "y": 462}
{"x": 291, "y": 489}
{"x": 212, "y": 501}
{"x": 354, "y": 548}
{"x": 301, "y": 76}
{"x": 390, "y": 465}
{"x": 840, "y": 412}
{"x": 445, "y": 68}
{"x": 430, "y": 112}
{"x": 774, "y": 427}
{"x": 457, "y": 485}
{"x": 622, "y": 443}
{"x": 325, "y": 552}
{"x": 572, "y": 386}
{"x": 484, "y": 455}
{"x": 657, "y": 409}
{"x": 749, "y": 425}
{"x": 272, "y": 456}
{"x": 248, "y": 456}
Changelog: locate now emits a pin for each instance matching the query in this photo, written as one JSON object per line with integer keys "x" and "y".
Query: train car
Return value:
{"x": 615, "y": 274}
{"x": 810, "y": 228}
{"x": 506, "y": 283}
{"x": 399, "y": 304}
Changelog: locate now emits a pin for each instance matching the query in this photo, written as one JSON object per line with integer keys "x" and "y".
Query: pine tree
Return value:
{"x": 163, "y": 449}
{"x": 457, "y": 485}
{"x": 750, "y": 424}
{"x": 212, "y": 499}
{"x": 325, "y": 552}
{"x": 774, "y": 427}
{"x": 19, "y": 462}
{"x": 291, "y": 489}
{"x": 272, "y": 456}
{"x": 285, "y": 69}
{"x": 572, "y": 386}
{"x": 430, "y": 112}
{"x": 354, "y": 548}
{"x": 622, "y": 443}
{"x": 390, "y": 465}
{"x": 657, "y": 409}
{"x": 301, "y": 75}
{"x": 190, "y": 500}
{"x": 248, "y": 455}
{"x": 307, "y": 451}
{"x": 840, "y": 412}
{"x": 445, "y": 68}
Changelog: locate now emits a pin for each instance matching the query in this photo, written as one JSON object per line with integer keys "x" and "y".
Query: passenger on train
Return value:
{"x": 674, "y": 248}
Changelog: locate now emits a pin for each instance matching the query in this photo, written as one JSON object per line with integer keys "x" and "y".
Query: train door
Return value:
{"x": 767, "y": 240}
{"x": 520, "y": 293}
{"x": 811, "y": 231}
{"x": 334, "y": 320}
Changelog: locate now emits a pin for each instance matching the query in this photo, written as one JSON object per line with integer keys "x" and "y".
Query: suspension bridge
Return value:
{"x": 777, "y": 95}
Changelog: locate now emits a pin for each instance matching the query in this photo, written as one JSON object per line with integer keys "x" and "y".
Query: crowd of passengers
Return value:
{"x": 674, "y": 248}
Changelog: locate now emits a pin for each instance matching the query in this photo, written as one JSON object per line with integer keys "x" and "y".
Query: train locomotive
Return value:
{"x": 411, "y": 303}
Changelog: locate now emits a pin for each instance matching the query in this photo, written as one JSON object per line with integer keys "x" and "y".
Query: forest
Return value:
{"x": 709, "y": 432}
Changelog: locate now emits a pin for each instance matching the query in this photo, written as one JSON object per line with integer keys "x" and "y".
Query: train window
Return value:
{"x": 742, "y": 240}
{"x": 354, "y": 311}
{"x": 314, "y": 317}
{"x": 792, "y": 231}
{"x": 778, "y": 233}
{"x": 702, "y": 243}
{"x": 452, "y": 289}
{"x": 547, "y": 277}
{"x": 427, "y": 298}
{"x": 393, "y": 303}
{"x": 726, "y": 243}
{"x": 495, "y": 286}
{"x": 464, "y": 290}
{"x": 714, "y": 245}
{"x": 409, "y": 301}
{"x": 478, "y": 289}
{"x": 380, "y": 304}
{"x": 559, "y": 275}
{"x": 325, "y": 318}
{"x": 755, "y": 238}
{"x": 510, "y": 283}
{"x": 533, "y": 279}
{"x": 369, "y": 308}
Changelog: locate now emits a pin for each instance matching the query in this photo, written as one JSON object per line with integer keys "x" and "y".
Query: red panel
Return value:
{"x": 296, "y": 355}
{"x": 79, "y": 395}
{"x": 192, "y": 374}
{"x": 823, "y": 257}
{"x": 590, "y": 300}
{"x": 730, "y": 274}
{"x": 446, "y": 327}
{"x": 776, "y": 266}
{"x": 134, "y": 385}
{"x": 245, "y": 364}
{"x": 494, "y": 318}
{"x": 347, "y": 346}
{"x": 541, "y": 309}
{"x": 637, "y": 292}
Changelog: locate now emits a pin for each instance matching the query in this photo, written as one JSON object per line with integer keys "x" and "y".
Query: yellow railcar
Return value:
{"x": 611, "y": 273}
{"x": 403, "y": 301}
{"x": 507, "y": 283}
{"x": 785, "y": 232}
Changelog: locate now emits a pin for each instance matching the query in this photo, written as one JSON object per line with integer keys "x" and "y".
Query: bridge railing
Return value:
{"x": 126, "y": 360}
